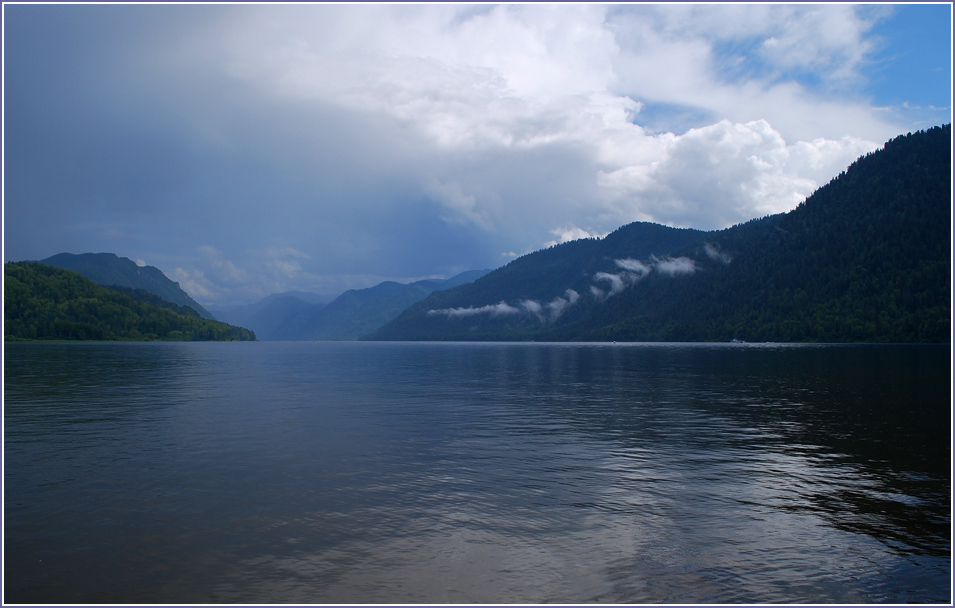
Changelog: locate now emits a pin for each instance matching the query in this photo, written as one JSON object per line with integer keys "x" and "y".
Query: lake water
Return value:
{"x": 478, "y": 473}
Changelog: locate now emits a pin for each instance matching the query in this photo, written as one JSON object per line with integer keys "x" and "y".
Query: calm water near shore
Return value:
{"x": 481, "y": 473}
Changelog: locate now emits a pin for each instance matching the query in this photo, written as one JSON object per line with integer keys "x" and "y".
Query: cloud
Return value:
{"x": 320, "y": 147}
{"x": 495, "y": 310}
{"x": 615, "y": 280}
{"x": 634, "y": 266}
{"x": 635, "y": 271}
{"x": 544, "y": 312}
{"x": 675, "y": 266}
{"x": 738, "y": 171}
{"x": 558, "y": 305}
{"x": 222, "y": 270}
{"x": 194, "y": 283}
{"x": 524, "y": 77}
{"x": 463, "y": 205}
{"x": 713, "y": 252}
{"x": 573, "y": 233}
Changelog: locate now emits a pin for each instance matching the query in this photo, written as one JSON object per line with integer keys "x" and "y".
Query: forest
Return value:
{"x": 865, "y": 258}
{"x": 41, "y": 302}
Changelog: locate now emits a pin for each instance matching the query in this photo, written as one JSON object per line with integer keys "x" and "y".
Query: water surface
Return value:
{"x": 478, "y": 473}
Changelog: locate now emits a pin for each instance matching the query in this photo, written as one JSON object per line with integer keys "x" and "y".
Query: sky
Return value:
{"x": 252, "y": 149}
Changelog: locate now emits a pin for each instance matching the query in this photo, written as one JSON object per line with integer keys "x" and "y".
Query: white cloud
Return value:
{"x": 635, "y": 266}
{"x": 533, "y": 307}
{"x": 521, "y": 77}
{"x": 544, "y": 312}
{"x": 515, "y": 123}
{"x": 674, "y": 266}
{"x": 615, "y": 280}
{"x": 283, "y": 252}
{"x": 573, "y": 233}
{"x": 494, "y": 310}
{"x": 634, "y": 271}
{"x": 454, "y": 198}
{"x": 194, "y": 283}
{"x": 220, "y": 269}
{"x": 558, "y": 305}
{"x": 715, "y": 176}
{"x": 713, "y": 252}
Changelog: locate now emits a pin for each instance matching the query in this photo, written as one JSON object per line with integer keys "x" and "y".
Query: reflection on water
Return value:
{"x": 479, "y": 473}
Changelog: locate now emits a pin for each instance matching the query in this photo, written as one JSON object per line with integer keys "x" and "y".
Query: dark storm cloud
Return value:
{"x": 248, "y": 149}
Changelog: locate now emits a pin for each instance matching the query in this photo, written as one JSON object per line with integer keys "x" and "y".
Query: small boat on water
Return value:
{"x": 735, "y": 341}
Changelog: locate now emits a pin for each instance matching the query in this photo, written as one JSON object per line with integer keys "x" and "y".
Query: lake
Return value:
{"x": 280, "y": 472}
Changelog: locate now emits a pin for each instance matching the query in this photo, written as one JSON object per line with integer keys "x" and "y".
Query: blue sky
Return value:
{"x": 253, "y": 149}
{"x": 908, "y": 67}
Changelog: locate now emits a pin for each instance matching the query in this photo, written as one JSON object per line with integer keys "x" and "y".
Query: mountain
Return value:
{"x": 358, "y": 312}
{"x": 109, "y": 269}
{"x": 42, "y": 302}
{"x": 237, "y": 314}
{"x": 279, "y": 316}
{"x": 866, "y": 258}
{"x": 307, "y": 316}
{"x": 511, "y": 303}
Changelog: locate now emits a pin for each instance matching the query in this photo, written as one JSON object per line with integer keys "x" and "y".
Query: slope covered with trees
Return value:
{"x": 108, "y": 269}
{"x": 866, "y": 258}
{"x": 41, "y": 302}
{"x": 358, "y": 312}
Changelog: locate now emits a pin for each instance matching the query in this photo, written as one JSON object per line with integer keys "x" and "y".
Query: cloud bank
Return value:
{"x": 248, "y": 149}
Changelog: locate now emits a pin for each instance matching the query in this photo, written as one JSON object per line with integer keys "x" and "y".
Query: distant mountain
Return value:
{"x": 42, "y": 302}
{"x": 280, "y": 316}
{"x": 866, "y": 258}
{"x": 238, "y": 314}
{"x": 540, "y": 285}
{"x": 309, "y": 316}
{"x": 358, "y": 312}
{"x": 109, "y": 269}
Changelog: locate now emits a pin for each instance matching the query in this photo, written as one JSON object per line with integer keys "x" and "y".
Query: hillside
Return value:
{"x": 866, "y": 258}
{"x": 108, "y": 269}
{"x": 360, "y": 311}
{"x": 41, "y": 302}
{"x": 279, "y": 316}
{"x": 308, "y": 316}
{"x": 533, "y": 291}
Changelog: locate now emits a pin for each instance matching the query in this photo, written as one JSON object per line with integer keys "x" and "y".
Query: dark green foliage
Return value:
{"x": 540, "y": 276}
{"x": 141, "y": 295}
{"x": 41, "y": 302}
{"x": 360, "y": 311}
{"x": 108, "y": 270}
{"x": 866, "y": 258}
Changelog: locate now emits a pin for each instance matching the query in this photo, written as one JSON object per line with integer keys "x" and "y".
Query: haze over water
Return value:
{"x": 463, "y": 472}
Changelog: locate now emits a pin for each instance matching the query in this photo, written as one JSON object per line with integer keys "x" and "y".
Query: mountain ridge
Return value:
{"x": 43, "y": 302}
{"x": 867, "y": 257}
{"x": 288, "y": 316}
{"x": 109, "y": 269}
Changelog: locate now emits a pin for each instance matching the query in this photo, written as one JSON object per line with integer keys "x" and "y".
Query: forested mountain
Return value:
{"x": 108, "y": 269}
{"x": 360, "y": 311}
{"x": 279, "y": 316}
{"x": 240, "y": 314}
{"x": 303, "y": 316}
{"x": 867, "y": 257}
{"x": 41, "y": 302}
